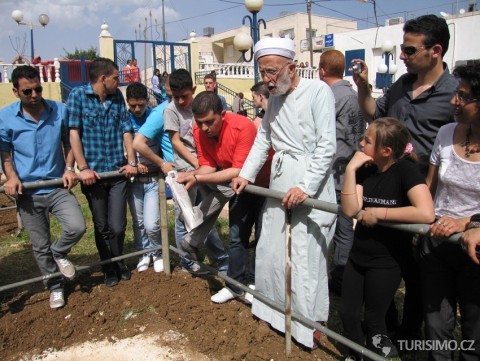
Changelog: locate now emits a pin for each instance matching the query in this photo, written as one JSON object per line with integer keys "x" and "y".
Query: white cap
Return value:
{"x": 275, "y": 46}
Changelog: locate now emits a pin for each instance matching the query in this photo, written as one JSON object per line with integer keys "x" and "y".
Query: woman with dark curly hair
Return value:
{"x": 449, "y": 277}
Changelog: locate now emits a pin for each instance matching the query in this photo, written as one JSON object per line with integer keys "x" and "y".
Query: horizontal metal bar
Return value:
{"x": 78, "y": 268}
{"x": 266, "y": 192}
{"x": 335, "y": 208}
{"x": 8, "y": 208}
{"x": 59, "y": 181}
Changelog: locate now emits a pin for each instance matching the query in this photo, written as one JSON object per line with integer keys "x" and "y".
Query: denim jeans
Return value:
{"x": 107, "y": 200}
{"x": 145, "y": 211}
{"x": 34, "y": 210}
{"x": 245, "y": 210}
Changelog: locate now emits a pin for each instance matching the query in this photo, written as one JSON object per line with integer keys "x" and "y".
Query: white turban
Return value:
{"x": 275, "y": 46}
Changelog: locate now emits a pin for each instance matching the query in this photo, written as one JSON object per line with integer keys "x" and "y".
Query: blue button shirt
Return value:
{"x": 101, "y": 127}
{"x": 36, "y": 147}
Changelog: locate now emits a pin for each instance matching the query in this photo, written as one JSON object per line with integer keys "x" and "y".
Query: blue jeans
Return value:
{"x": 145, "y": 211}
{"x": 245, "y": 210}
{"x": 34, "y": 210}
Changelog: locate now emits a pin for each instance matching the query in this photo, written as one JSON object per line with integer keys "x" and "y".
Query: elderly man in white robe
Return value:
{"x": 300, "y": 125}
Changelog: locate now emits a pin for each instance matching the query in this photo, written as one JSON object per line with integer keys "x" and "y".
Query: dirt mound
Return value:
{"x": 148, "y": 304}
{"x": 8, "y": 222}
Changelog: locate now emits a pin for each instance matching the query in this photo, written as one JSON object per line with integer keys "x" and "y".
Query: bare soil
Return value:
{"x": 8, "y": 218}
{"x": 149, "y": 305}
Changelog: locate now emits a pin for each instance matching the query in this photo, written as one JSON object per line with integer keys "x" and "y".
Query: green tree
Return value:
{"x": 89, "y": 54}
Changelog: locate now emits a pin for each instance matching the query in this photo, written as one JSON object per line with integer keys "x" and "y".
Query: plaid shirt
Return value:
{"x": 101, "y": 127}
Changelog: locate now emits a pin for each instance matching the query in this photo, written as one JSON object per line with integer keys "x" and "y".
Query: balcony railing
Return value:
{"x": 245, "y": 70}
{"x": 49, "y": 71}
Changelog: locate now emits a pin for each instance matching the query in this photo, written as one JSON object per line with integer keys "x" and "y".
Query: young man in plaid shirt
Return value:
{"x": 99, "y": 128}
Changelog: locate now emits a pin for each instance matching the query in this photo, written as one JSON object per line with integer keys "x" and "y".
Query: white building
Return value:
{"x": 218, "y": 48}
{"x": 462, "y": 45}
{"x": 216, "y": 51}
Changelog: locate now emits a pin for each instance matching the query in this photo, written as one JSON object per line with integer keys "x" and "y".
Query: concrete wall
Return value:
{"x": 50, "y": 91}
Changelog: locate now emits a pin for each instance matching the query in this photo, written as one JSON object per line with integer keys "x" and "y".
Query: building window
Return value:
{"x": 290, "y": 33}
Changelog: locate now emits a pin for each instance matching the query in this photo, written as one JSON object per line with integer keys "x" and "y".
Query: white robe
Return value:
{"x": 301, "y": 129}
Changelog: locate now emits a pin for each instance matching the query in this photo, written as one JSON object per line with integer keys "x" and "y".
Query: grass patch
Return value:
{"x": 16, "y": 258}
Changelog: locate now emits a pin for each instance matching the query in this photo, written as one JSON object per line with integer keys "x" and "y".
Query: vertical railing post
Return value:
{"x": 162, "y": 198}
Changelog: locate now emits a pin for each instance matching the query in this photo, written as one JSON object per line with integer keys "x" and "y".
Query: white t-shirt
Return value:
{"x": 457, "y": 194}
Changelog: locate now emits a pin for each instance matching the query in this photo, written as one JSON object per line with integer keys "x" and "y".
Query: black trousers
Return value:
{"x": 374, "y": 288}
{"x": 108, "y": 203}
{"x": 449, "y": 278}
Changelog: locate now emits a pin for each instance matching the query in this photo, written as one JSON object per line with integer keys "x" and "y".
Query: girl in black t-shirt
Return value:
{"x": 383, "y": 181}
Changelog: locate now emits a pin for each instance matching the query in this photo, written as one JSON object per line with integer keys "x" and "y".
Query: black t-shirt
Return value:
{"x": 381, "y": 247}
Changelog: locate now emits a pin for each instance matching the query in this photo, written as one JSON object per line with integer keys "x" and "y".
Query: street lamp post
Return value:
{"x": 244, "y": 42}
{"x": 388, "y": 69}
{"x": 43, "y": 19}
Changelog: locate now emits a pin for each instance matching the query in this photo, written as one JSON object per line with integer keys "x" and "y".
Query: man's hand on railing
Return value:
{"x": 13, "y": 187}
{"x": 130, "y": 171}
{"x": 70, "y": 179}
{"x": 239, "y": 184}
{"x": 88, "y": 177}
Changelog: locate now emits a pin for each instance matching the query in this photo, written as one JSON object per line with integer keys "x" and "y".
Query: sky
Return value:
{"x": 76, "y": 23}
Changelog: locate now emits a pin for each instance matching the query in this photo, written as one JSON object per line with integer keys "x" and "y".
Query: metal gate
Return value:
{"x": 151, "y": 55}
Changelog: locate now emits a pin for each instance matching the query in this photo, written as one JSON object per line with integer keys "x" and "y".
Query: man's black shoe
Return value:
{"x": 123, "y": 272}
{"x": 111, "y": 279}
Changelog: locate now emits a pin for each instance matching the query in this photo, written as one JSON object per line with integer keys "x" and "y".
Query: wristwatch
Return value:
{"x": 71, "y": 169}
{"x": 133, "y": 164}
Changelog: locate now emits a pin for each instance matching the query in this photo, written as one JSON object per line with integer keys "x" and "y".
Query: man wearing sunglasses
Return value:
{"x": 35, "y": 146}
{"x": 420, "y": 98}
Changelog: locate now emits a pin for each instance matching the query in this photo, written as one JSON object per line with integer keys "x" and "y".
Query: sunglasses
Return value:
{"x": 463, "y": 97}
{"x": 27, "y": 92}
{"x": 410, "y": 50}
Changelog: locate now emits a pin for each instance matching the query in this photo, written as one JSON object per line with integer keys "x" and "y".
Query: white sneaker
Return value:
{"x": 65, "y": 267}
{"x": 249, "y": 296}
{"x": 56, "y": 299}
{"x": 224, "y": 295}
{"x": 143, "y": 264}
{"x": 158, "y": 263}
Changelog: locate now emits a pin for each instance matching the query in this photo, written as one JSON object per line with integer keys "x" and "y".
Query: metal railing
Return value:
{"x": 313, "y": 203}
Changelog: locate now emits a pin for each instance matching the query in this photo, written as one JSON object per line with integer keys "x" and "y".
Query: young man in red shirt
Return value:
{"x": 223, "y": 141}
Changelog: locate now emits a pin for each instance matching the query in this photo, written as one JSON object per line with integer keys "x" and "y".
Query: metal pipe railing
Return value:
{"x": 418, "y": 228}
{"x": 313, "y": 203}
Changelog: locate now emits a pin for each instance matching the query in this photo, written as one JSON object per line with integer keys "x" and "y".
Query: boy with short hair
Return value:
{"x": 143, "y": 192}
{"x": 179, "y": 124}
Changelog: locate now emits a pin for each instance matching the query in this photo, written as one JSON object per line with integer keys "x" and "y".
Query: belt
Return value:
{"x": 146, "y": 179}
